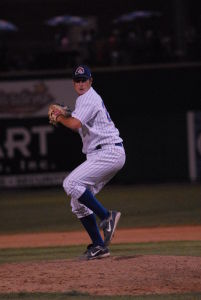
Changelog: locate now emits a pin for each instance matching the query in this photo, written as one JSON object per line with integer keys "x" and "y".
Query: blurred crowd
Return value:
{"x": 119, "y": 46}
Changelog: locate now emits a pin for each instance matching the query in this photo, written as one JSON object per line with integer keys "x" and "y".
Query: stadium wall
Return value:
{"x": 148, "y": 104}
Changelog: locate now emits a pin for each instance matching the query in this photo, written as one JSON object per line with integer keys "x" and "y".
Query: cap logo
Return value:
{"x": 79, "y": 70}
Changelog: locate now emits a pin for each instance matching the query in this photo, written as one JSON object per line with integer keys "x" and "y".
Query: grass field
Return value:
{"x": 76, "y": 296}
{"x": 141, "y": 206}
{"x": 184, "y": 248}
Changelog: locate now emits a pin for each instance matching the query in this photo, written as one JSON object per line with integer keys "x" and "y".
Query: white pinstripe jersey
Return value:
{"x": 97, "y": 126}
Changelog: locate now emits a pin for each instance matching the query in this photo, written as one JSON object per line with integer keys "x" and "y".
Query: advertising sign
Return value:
{"x": 33, "y": 152}
{"x": 22, "y": 99}
{"x": 194, "y": 144}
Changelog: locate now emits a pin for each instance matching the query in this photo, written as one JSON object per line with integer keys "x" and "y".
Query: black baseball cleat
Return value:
{"x": 95, "y": 252}
{"x": 84, "y": 255}
{"x": 109, "y": 225}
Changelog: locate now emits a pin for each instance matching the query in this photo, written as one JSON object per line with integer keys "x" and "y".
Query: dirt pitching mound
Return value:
{"x": 136, "y": 275}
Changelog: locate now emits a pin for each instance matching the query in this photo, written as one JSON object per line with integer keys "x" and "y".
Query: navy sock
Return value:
{"x": 89, "y": 223}
{"x": 91, "y": 202}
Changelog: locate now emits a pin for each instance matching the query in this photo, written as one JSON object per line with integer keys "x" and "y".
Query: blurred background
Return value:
{"x": 102, "y": 34}
{"x": 145, "y": 57}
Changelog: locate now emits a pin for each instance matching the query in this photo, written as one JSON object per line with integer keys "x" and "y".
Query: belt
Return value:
{"x": 116, "y": 144}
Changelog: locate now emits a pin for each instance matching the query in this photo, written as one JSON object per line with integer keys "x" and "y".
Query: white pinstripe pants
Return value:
{"x": 100, "y": 166}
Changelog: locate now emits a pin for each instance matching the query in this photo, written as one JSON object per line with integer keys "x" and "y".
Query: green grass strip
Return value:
{"x": 79, "y": 296}
{"x": 42, "y": 210}
{"x": 182, "y": 248}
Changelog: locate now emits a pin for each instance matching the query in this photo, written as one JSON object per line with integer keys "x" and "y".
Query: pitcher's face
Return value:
{"x": 82, "y": 85}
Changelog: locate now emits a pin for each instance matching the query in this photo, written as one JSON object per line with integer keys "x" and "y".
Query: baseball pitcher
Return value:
{"x": 105, "y": 156}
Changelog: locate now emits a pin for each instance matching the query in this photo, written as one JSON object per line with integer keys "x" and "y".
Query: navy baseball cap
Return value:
{"x": 82, "y": 71}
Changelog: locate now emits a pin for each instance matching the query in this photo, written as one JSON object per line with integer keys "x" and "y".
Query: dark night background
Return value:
{"x": 177, "y": 30}
{"x": 148, "y": 86}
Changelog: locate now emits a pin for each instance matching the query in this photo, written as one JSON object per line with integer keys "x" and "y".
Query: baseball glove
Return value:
{"x": 55, "y": 110}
